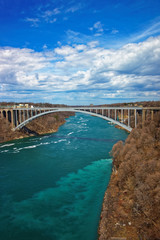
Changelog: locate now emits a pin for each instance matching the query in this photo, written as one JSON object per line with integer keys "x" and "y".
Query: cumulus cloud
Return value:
{"x": 18, "y": 66}
{"x": 132, "y": 71}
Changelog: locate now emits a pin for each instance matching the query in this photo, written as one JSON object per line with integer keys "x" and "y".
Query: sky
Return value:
{"x": 79, "y": 52}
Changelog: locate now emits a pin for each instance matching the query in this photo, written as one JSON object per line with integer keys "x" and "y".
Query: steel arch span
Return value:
{"x": 20, "y": 116}
{"x": 22, "y": 124}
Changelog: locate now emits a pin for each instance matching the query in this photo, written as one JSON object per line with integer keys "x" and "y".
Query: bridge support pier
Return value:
{"x": 23, "y": 115}
{"x": 109, "y": 113}
{"x": 143, "y": 116}
{"x": 2, "y": 116}
{"x": 135, "y": 116}
{"x": 20, "y": 113}
{"x": 128, "y": 117}
{"x": 27, "y": 114}
{"x": 12, "y": 119}
{"x": 121, "y": 115}
{"x": 152, "y": 113}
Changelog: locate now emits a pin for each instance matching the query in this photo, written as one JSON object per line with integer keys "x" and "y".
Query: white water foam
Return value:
{"x": 70, "y": 133}
{"x": 62, "y": 140}
{"x": 7, "y": 145}
{"x": 33, "y": 146}
{"x": 46, "y": 143}
{"x": 4, "y": 151}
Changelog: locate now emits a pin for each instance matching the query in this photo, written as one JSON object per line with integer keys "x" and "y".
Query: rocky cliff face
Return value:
{"x": 45, "y": 124}
{"x": 131, "y": 207}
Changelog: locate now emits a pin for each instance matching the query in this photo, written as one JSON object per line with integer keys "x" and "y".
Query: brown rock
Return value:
{"x": 42, "y": 125}
{"x": 131, "y": 206}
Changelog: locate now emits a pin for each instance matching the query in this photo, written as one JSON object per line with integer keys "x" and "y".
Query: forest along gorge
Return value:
{"x": 52, "y": 186}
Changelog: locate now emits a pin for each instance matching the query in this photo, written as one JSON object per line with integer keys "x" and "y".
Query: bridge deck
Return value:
{"x": 108, "y": 113}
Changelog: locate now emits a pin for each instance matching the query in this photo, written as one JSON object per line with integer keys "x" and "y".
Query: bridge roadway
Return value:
{"x": 19, "y": 117}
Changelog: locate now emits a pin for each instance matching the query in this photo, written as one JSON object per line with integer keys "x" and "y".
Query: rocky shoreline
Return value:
{"x": 131, "y": 206}
{"x": 42, "y": 125}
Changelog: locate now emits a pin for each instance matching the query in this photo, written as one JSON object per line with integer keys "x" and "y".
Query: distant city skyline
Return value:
{"x": 79, "y": 52}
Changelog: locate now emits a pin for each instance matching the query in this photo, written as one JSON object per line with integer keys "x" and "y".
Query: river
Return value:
{"x": 52, "y": 186}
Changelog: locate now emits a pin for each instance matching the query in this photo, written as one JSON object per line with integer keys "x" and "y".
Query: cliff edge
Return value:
{"x": 131, "y": 207}
{"x": 42, "y": 125}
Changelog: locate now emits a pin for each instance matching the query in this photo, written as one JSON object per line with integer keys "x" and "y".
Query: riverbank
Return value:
{"x": 42, "y": 125}
{"x": 131, "y": 206}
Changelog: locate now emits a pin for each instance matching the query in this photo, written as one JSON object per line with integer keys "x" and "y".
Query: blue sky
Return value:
{"x": 79, "y": 52}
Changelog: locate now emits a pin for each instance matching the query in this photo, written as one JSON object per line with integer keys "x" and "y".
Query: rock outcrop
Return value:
{"x": 131, "y": 207}
{"x": 42, "y": 125}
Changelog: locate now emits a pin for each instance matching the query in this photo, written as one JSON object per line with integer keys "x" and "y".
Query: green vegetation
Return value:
{"x": 56, "y": 117}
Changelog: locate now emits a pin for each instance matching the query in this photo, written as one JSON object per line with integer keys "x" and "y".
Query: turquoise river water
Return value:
{"x": 52, "y": 187}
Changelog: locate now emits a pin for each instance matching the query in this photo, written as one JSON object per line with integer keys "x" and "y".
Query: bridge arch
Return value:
{"x": 128, "y": 128}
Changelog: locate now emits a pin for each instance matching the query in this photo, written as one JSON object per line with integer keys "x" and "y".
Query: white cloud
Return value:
{"x": 73, "y": 8}
{"x": 132, "y": 71}
{"x": 45, "y": 46}
{"x": 80, "y": 47}
{"x": 48, "y": 13}
{"x": 56, "y": 11}
{"x": 18, "y": 65}
{"x": 65, "y": 50}
{"x": 97, "y": 28}
{"x": 34, "y": 21}
{"x": 93, "y": 44}
{"x": 153, "y": 29}
{"x": 115, "y": 31}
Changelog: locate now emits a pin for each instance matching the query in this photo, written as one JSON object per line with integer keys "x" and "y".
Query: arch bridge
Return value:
{"x": 125, "y": 117}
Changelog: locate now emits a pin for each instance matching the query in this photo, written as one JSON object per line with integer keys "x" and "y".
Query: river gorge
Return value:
{"x": 52, "y": 186}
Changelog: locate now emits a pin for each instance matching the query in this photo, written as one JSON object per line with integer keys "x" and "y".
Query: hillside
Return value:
{"x": 42, "y": 125}
{"x": 131, "y": 207}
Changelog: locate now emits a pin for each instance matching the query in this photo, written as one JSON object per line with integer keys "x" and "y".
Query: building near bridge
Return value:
{"x": 23, "y": 105}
